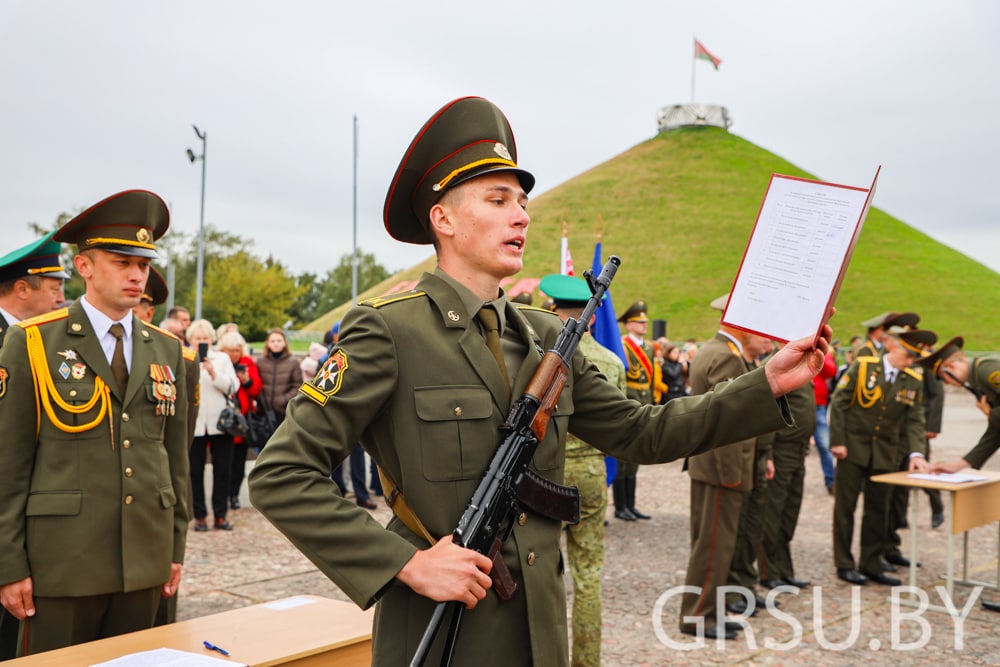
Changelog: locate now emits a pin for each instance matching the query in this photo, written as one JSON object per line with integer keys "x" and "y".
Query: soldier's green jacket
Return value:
{"x": 413, "y": 382}
{"x": 611, "y": 366}
{"x": 879, "y": 422}
{"x": 100, "y": 510}
{"x": 984, "y": 375}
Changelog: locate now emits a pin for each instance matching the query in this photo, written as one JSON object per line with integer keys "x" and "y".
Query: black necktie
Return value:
{"x": 118, "y": 366}
{"x": 892, "y": 376}
{"x": 491, "y": 324}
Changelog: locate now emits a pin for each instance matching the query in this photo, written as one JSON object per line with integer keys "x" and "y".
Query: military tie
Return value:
{"x": 118, "y": 366}
{"x": 491, "y": 324}
{"x": 892, "y": 375}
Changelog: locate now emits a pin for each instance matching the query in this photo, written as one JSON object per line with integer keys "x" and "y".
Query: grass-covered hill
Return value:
{"x": 678, "y": 209}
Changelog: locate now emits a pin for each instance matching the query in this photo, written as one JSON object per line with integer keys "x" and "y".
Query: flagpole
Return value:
{"x": 693, "y": 59}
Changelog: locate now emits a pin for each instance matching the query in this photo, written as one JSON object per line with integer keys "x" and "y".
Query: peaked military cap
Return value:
{"x": 635, "y": 313}
{"x": 156, "y": 291}
{"x": 38, "y": 258}
{"x": 901, "y": 321}
{"x": 465, "y": 138}
{"x": 522, "y": 298}
{"x": 719, "y": 303}
{"x": 917, "y": 341}
{"x": 565, "y": 291}
{"x": 127, "y": 223}
{"x": 934, "y": 360}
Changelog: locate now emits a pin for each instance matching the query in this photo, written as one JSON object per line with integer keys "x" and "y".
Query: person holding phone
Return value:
{"x": 218, "y": 380}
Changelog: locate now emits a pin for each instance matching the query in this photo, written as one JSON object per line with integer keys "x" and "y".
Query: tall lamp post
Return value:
{"x": 200, "y": 276}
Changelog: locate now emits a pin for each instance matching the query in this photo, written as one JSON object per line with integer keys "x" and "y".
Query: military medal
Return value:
{"x": 64, "y": 371}
{"x": 163, "y": 389}
{"x": 68, "y": 355}
{"x": 78, "y": 371}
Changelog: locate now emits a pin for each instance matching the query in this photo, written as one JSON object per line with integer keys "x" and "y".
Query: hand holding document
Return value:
{"x": 797, "y": 256}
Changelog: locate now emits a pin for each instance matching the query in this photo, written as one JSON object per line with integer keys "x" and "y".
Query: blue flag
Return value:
{"x": 605, "y": 331}
{"x": 605, "y": 327}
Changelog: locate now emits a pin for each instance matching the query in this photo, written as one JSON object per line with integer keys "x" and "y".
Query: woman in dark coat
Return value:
{"x": 279, "y": 373}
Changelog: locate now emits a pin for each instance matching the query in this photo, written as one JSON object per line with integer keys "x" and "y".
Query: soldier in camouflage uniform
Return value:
{"x": 585, "y": 470}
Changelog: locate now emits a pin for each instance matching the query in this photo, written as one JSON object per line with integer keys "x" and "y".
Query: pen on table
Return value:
{"x": 212, "y": 647}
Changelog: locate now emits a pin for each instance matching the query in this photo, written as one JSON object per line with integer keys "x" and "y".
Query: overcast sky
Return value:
{"x": 100, "y": 96}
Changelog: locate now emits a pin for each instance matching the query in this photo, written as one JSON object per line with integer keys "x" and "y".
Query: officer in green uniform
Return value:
{"x": 783, "y": 498}
{"x": 876, "y": 412}
{"x": 31, "y": 284}
{"x": 586, "y": 471}
{"x": 721, "y": 479}
{"x": 92, "y": 514}
{"x": 413, "y": 378}
{"x": 982, "y": 377}
{"x": 639, "y": 379}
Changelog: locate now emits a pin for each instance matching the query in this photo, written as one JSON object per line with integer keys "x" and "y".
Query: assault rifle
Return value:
{"x": 492, "y": 511}
{"x": 965, "y": 385}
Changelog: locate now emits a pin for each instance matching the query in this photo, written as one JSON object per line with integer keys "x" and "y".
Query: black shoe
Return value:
{"x": 992, "y": 606}
{"x": 625, "y": 515}
{"x": 733, "y": 626}
{"x": 710, "y": 633}
{"x": 772, "y": 583}
{"x": 888, "y": 567}
{"x": 882, "y": 578}
{"x": 903, "y": 525}
{"x": 829, "y": 489}
{"x": 937, "y": 519}
{"x": 222, "y": 524}
{"x": 851, "y": 576}
{"x": 638, "y": 514}
{"x": 200, "y": 526}
{"x": 234, "y": 503}
{"x": 900, "y": 560}
{"x": 367, "y": 504}
{"x": 798, "y": 583}
{"x": 739, "y": 608}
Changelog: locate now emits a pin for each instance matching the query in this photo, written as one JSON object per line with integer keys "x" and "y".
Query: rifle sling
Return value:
{"x": 503, "y": 580}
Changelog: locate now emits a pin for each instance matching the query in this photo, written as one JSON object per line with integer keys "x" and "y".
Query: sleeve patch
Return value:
{"x": 844, "y": 380}
{"x": 329, "y": 379}
{"x": 3, "y": 381}
{"x": 994, "y": 378}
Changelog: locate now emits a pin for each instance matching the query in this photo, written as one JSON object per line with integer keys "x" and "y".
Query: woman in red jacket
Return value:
{"x": 234, "y": 345}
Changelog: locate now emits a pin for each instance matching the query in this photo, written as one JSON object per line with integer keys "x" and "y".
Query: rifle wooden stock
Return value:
{"x": 546, "y": 386}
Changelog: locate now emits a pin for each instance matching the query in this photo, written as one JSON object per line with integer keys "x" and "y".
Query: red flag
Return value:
{"x": 702, "y": 53}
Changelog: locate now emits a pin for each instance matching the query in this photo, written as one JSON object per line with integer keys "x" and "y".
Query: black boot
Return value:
{"x": 630, "y": 499}
{"x": 621, "y": 511}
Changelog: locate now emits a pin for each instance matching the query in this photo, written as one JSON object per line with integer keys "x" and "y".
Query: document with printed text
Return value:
{"x": 797, "y": 256}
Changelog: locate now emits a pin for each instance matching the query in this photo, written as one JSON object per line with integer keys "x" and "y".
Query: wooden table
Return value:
{"x": 973, "y": 504}
{"x": 304, "y": 631}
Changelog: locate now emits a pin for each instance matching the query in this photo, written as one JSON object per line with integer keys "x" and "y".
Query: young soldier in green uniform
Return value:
{"x": 413, "y": 378}
{"x": 92, "y": 514}
{"x": 31, "y": 284}
{"x": 585, "y": 470}
{"x": 877, "y": 411}
{"x": 982, "y": 376}
{"x": 639, "y": 379}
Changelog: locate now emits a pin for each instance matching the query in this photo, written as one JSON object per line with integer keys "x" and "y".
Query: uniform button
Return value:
{"x": 72, "y": 392}
{"x": 531, "y": 558}
{"x": 124, "y": 416}
{"x": 458, "y": 410}
{"x": 128, "y": 472}
{"x": 128, "y": 500}
{"x": 126, "y": 444}
{"x": 522, "y": 519}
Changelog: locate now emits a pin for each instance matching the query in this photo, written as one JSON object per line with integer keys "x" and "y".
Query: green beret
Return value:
{"x": 38, "y": 258}
{"x": 126, "y": 223}
{"x": 466, "y": 138}
{"x": 566, "y": 291}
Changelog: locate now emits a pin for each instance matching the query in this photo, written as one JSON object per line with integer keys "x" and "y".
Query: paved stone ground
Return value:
{"x": 840, "y": 624}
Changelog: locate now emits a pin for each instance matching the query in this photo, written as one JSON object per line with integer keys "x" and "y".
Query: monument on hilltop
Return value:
{"x": 685, "y": 115}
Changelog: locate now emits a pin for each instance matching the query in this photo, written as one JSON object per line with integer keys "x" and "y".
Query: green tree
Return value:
{"x": 253, "y": 293}
{"x": 306, "y": 307}
{"x": 335, "y": 288}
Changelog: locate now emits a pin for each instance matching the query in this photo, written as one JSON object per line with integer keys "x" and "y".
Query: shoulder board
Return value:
{"x": 60, "y": 314}
{"x": 917, "y": 373}
{"x": 162, "y": 331}
{"x": 385, "y": 300}
{"x": 189, "y": 354}
{"x": 534, "y": 309}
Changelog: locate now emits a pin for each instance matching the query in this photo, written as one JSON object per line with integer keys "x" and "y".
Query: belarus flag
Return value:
{"x": 702, "y": 53}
